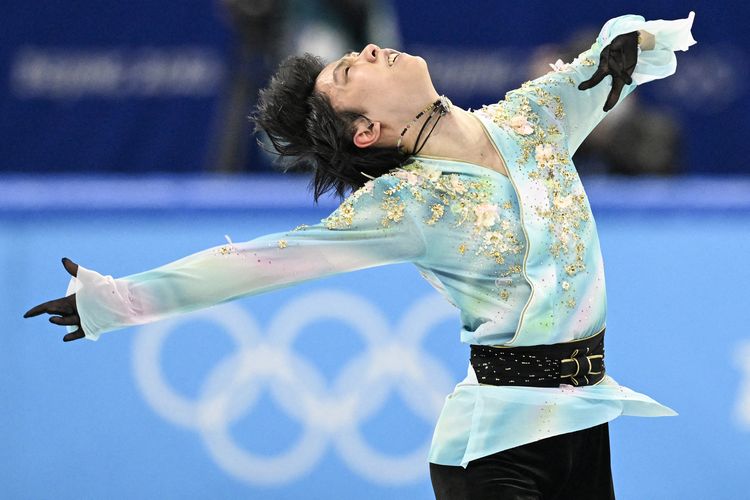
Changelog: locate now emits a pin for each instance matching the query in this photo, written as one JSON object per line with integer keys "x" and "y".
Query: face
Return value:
{"x": 387, "y": 86}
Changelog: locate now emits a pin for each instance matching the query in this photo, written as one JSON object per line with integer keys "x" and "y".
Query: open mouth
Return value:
{"x": 392, "y": 58}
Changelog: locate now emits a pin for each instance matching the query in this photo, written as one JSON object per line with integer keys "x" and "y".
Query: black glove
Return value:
{"x": 617, "y": 59}
{"x": 65, "y": 310}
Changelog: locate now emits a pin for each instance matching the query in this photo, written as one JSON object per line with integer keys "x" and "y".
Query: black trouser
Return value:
{"x": 573, "y": 466}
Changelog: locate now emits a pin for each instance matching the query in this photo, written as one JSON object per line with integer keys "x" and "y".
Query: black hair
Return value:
{"x": 308, "y": 134}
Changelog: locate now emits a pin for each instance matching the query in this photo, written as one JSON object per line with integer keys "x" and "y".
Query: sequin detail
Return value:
{"x": 343, "y": 216}
{"x": 548, "y": 167}
{"x": 467, "y": 204}
{"x": 228, "y": 249}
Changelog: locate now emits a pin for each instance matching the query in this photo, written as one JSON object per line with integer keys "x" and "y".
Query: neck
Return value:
{"x": 453, "y": 136}
{"x": 424, "y": 124}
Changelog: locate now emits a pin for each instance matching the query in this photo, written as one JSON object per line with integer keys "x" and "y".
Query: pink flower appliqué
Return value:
{"x": 521, "y": 125}
{"x": 409, "y": 176}
{"x": 559, "y": 66}
{"x": 545, "y": 154}
{"x": 432, "y": 174}
{"x": 456, "y": 185}
{"x": 486, "y": 215}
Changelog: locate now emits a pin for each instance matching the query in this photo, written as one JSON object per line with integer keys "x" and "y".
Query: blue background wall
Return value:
{"x": 137, "y": 86}
{"x": 91, "y": 420}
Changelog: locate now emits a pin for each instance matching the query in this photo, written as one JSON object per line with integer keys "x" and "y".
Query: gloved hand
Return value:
{"x": 618, "y": 59}
{"x": 64, "y": 309}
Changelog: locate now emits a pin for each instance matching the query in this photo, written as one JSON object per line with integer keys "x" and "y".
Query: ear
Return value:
{"x": 366, "y": 134}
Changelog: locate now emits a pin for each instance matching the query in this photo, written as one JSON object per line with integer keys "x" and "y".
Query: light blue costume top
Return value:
{"x": 518, "y": 256}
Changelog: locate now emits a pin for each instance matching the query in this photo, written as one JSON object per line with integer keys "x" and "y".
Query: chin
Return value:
{"x": 418, "y": 60}
{"x": 411, "y": 57}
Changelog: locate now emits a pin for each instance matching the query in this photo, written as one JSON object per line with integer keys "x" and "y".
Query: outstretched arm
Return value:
{"x": 372, "y": 227}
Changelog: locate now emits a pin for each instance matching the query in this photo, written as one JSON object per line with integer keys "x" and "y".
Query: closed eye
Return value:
{"x": 349, "y": 56}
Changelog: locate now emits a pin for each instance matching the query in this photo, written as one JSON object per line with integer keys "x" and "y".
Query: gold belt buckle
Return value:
{"x": 578, "y": 358}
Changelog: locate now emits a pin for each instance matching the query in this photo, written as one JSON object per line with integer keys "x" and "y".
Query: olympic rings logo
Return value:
{"x": 327, "y": 412}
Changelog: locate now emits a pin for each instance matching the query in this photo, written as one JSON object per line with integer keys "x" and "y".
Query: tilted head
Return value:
{"x": 343, "y": 120}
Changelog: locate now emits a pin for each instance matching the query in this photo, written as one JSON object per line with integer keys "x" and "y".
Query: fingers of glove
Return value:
{"x": 63, "y": 307}
{"x": 36, "y": 310}
{"x": 71, "y": 320}
{"x": 629, "y": 66}
{"x": 70, "y": 266}
{"x": 600, "y": 73}
{"x": 621, "y": 74}
{"x": 614, "y": 94}
{"x": 78, "y": 334}
{"x": 595, "y": 79}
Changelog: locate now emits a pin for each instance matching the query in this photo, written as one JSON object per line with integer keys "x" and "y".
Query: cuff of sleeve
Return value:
{"x": 671, "y": 36}
{"x": 99, "y": 300}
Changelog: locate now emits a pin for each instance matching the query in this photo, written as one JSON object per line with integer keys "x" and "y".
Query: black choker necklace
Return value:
{"x": 435, "y": 111}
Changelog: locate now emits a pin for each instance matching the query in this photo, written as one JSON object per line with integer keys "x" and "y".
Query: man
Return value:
{"x": 487, "y": 205}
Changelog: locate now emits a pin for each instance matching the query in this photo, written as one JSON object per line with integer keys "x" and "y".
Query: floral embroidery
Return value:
{"x": 409, "y": 176}
{"x": 535, "y": 108}
{"x": 545, "y": 154}
{"x": 454, "y": 200}
{"x": 559, "y": 65}
{"x": 520, "y": 125}
{"x": 282, "y": 244}
{"x": 486, "y": 215}
{"x": 437, "y": 212}
{"x": 394, "y": 210}
{"x": 456, "y": 185}
{"x": 432, "y": 174}
{"x": 496, "y": 244}
{"x": 344, "y": 215}
{"x": 467, "y": 200}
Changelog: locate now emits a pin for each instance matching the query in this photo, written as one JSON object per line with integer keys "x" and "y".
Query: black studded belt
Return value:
{"x": 579, "y": 362}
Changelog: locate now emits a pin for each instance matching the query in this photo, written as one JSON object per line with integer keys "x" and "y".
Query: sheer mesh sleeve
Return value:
{"x": 577, "y": 112}
{"x": 372, "y": 227}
